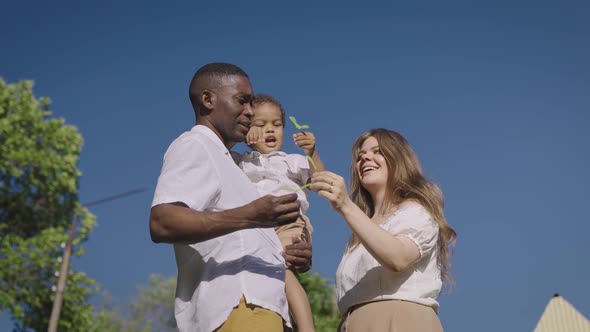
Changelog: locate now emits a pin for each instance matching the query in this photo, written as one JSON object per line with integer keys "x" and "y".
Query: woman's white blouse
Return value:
{"x": 360, "y": 278}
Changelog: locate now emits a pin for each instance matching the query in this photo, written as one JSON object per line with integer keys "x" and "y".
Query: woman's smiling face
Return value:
{"x": 371, "y": 165}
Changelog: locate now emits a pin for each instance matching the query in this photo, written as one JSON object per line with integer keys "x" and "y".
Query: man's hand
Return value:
{"x": 272, "y": 211}
{"x": 298, "y": 255}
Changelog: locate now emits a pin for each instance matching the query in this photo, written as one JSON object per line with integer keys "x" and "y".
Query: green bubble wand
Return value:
{"x": 298, "y": 126}
{"x": 309, "y": 184}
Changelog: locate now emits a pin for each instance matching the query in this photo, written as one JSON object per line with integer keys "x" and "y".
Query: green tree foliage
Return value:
{"x": 322, "y": 301}
{"x": 155, "y": 305}
{"x": 38, "y": 196}
{"x": 152, "y": 310}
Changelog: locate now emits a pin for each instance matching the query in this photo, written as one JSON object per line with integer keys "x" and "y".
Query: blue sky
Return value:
{"x": 494, "y": 97}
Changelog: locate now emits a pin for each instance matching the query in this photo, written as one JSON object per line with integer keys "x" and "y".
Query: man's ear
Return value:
{"x": 208, "y": 100}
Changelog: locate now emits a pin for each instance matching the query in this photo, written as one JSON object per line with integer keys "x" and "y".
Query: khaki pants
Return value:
{"x": 250, "y": 318}
{"x": 300, "y": 228}
{"x": 392, "y": 316}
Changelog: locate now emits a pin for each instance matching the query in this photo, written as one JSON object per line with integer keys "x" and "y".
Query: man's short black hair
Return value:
{"x": 218, "y": 70}
{"x": 206, "y": 77}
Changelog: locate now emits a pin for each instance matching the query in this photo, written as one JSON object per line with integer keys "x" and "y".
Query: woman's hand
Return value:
{"x": 333, "y": 188}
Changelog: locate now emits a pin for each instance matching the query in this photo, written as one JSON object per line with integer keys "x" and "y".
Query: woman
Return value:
{"x": 398, "y": 255}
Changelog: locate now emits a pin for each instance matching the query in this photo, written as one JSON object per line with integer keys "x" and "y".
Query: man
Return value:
{"x": 230, "y": 269}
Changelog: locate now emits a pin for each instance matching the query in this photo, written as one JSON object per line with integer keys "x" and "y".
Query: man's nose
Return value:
{"x": 248, "y": 111}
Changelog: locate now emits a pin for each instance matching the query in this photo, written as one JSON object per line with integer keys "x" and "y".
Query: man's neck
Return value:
{"x": 203, "y": 122}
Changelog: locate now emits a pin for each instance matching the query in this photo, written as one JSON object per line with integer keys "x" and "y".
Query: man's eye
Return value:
{"x": 245, "y": 100}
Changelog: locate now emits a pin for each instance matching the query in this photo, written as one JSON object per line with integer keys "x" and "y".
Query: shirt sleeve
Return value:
{"x": 415, "y": 223}
{"x": 235, "y": 156}
{"x": 187, "y": 176}
{"x": 298, "y": 168}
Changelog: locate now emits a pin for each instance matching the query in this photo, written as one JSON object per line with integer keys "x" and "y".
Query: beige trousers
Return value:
{"x": 301, "y": 228}
{"x": 392, "y": 316}
{"x": 250, "y": 318}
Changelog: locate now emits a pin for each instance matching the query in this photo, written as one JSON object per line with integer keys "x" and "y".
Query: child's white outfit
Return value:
{"x": 278, "y": 173}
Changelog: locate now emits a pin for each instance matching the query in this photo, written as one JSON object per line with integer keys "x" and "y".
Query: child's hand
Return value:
{"x": 254, "y": 135}
{"x": 306, "y": 141}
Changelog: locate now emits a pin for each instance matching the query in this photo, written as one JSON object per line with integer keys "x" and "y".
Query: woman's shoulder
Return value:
{"x": 413, "y": 211}
{"x": 413, "y": 206}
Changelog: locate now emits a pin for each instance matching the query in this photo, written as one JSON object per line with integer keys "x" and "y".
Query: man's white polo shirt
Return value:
{"x": 198, "y": 170}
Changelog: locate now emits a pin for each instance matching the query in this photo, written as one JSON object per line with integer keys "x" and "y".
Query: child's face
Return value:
{"x": 268, "y": 117}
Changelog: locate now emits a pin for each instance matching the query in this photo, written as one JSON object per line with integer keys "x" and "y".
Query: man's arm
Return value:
{"x": 176, "y": 223}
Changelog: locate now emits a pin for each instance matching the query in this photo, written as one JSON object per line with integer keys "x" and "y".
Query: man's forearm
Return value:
{"x": 172, "y": 223}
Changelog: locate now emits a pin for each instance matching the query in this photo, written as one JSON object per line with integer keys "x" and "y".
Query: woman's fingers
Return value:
{"x": 330, "y": 186}
{"x": 328, "y": 178}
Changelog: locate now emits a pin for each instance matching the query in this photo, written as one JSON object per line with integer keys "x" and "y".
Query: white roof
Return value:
{"x": 561, "y": 316}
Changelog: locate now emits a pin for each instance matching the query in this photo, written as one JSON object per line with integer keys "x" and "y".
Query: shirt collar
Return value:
{"x": 256, "y": 154}
{"x": 212, "y": 136}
